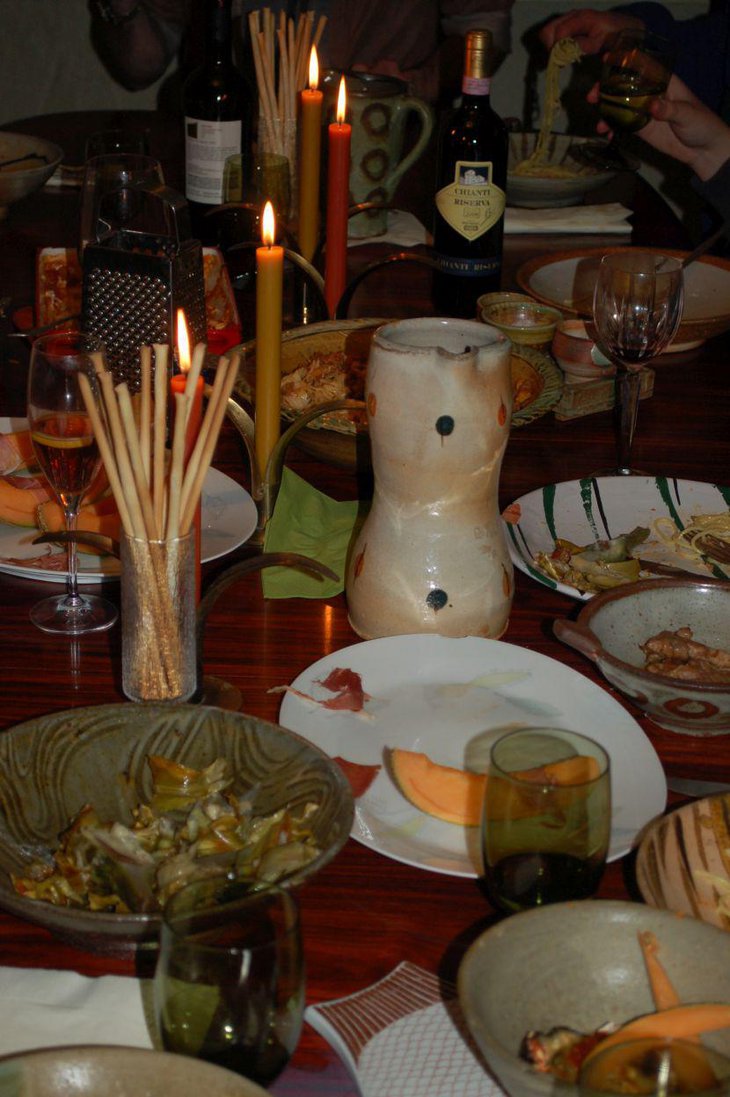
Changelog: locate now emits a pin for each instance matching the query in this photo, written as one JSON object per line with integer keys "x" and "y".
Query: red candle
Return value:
{"x": 338, "y": 202}
{"x": 189, "y": 382}
{"x": 309, "y": 158}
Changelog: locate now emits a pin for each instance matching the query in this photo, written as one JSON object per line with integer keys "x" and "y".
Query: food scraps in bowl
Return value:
{"x": 595, "y": 567}
{"x": 193, "y": 827}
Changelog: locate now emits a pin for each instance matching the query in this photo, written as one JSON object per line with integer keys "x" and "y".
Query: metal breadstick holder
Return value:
{"x": 134, "y": 279}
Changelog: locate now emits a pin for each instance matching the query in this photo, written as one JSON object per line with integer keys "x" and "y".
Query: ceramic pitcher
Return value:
{"x": 431, "y": 555}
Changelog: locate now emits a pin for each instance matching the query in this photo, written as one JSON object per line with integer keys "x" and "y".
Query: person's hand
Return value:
{"x": 590, "y": 28}
{"x": 683, "y": 127}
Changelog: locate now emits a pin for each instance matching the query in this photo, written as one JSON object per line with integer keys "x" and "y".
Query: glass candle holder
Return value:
{"x": 158, "y": 618}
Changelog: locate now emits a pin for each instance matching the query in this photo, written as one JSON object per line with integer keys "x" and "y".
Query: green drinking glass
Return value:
{"x": 229, "y": 981}
{"x": 546, "y": 821}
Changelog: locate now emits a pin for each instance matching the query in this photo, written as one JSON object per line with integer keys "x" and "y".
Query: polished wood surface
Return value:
{"x": 364, "y": 913}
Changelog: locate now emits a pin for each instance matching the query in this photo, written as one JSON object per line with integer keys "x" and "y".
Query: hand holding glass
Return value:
{"x": 636, "y": 69}
{"x": 546, "y": 823}
{"x": 637, "y": 307}
{"x": 229, "y": 982}
{"x": 66, "y": 450}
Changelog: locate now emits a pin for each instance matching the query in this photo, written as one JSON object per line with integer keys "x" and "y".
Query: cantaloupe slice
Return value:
{"x": 453, "y": 795}
{"x": 16, "y": 452}
{"x": 100, "y": 517}
{"x": 18, "y": 505}
{"x": 457, "y": 796}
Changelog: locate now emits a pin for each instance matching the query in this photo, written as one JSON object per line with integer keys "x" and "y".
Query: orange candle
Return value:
{"x": 269, "y": 289}
{"x": 338, "y": 202}
{"x": 192, "y": 384}
{"x": 309, "y": 160}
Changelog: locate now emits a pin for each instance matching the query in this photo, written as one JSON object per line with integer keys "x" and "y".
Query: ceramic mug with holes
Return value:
{"x": 380, "y": 111}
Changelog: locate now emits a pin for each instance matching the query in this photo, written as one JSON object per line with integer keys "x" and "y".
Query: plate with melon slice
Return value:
{"x": 418, "y": 744}
{"x": 228, "y": 517}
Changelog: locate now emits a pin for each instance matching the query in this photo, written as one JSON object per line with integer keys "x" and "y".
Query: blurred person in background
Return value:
{"x": 419, "y": 41}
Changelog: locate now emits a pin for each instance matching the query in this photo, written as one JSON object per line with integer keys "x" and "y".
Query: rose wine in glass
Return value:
{"x": 637, "y": 307}
{"x": 67, "y": 452}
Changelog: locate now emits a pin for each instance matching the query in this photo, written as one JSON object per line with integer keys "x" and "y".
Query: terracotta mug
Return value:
{"x": 378, "y": 108}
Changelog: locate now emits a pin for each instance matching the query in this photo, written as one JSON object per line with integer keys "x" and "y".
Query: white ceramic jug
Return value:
{"x": 432, "y": 555}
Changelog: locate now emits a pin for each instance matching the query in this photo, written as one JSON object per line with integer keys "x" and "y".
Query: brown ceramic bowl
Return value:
{"x": 573, "y": 349}
{"x": 50, "y": 767}
{"x": 579, "y": 965}
{"x": 683, "y": 863}
{"x": 527, "y": 323}
{"x": 611, "y": 627}
{"x": 81, "y": 1071}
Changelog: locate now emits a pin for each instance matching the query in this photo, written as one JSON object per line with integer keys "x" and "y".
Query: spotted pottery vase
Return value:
{"x": 431, "y": 555}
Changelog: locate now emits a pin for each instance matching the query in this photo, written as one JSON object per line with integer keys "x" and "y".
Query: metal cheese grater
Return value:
{"x": 135, "y": 281}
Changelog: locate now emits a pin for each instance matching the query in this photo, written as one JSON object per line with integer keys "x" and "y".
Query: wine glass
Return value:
{"x": 637, "y": 307}
{"x": 655, "y": 1065}
{"x": 636, "y": 69}
{"x": 107, "y": 191}
{"x": 229, "y": 981}
{"x": 67, "y": 452}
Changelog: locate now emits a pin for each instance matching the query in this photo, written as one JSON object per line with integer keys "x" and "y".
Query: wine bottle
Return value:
{"x": 470, "y": 194}
{"x": 216, "y": 103}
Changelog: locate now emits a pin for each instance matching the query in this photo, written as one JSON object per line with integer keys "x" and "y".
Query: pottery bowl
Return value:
{"x": 498, "y": 297}
{"x": 683, "y": 862}
{"x": 52, "y": 766}
{"x": 540, "y": 191}
{"x": 580, "y": 965}
{"x": 611, "y": 627}
{"x": 21, "y": 179}
{"x": 81, "y": 1071}
{"x": 576, "y": 353}
{"x": 524, "y": 322}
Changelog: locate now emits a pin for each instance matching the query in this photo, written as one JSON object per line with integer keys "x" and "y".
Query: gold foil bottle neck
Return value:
{"x": 477, "y": 54}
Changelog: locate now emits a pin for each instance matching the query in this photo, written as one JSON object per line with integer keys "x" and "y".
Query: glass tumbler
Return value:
{"x": 653, "y": 1065}
{"x": 229, "y": 981}
{"x": 159, "y": 651}
{"x": 547, "y": 818}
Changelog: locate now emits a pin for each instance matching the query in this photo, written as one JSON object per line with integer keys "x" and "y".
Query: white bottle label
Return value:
{"x": 472, "y": 203}
{"x": 207, "y": 145}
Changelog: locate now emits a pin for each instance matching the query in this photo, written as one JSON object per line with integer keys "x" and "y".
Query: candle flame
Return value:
{"x": 183, "y": 342}
{"x": 313, "y": 69}
{"x": 268, "y": 225}
{"x": 341, "y": 101}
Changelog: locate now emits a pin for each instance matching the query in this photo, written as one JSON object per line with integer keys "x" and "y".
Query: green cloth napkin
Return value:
{"x": 308, "y": 522}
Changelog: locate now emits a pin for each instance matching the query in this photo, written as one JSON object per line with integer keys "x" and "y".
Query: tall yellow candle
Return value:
{"x": 269, "y": 288}
{"x": 309, "y": 161}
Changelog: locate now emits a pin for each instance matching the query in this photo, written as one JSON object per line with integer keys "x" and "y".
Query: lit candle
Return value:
{"x": 309, "y": 159}
{"x": 189, "y": 382}
{"x": 269, "y": 288}
{"x": 338, "y": 201}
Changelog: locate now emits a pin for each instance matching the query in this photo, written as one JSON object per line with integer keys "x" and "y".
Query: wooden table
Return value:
{"x": 364, "y": 913}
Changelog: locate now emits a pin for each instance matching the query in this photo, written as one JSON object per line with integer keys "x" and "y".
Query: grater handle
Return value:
{"x": 177, "y": 213}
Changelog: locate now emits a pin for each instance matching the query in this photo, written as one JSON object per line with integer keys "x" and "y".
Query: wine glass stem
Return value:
{"x": 72, "y": 585}
{"x": 628, "y": 384}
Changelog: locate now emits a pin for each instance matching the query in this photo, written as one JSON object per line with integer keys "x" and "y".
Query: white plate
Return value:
{"x": 228, "y": 519}
{"x": 425, "y": 697}
{"x": 602, "y": 507}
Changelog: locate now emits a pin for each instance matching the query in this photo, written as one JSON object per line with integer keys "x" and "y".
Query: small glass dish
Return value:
{"x": 528, "y": 323}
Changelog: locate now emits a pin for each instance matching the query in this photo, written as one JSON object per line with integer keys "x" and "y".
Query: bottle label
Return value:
{"x": 476, "y": 85}
{"x": 472, "y": 204}
{"x": 207, "y": 145}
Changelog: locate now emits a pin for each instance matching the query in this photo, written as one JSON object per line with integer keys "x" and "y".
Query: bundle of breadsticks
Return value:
{"x": 157, "y": 491}
{"x": 281, "y": 48}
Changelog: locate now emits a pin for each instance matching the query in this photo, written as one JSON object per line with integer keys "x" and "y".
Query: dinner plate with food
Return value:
{"x": 381, "y": 709}
{"x": 584, "y": 536}
{"x": 28, "y": 507}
